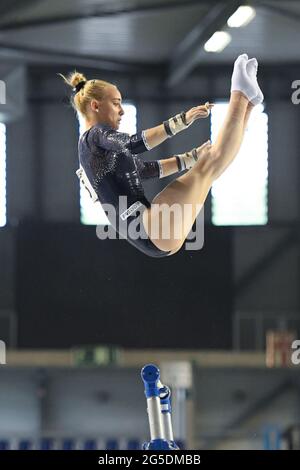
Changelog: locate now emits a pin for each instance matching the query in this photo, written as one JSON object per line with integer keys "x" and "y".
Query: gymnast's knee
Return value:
{"x": 207, "y": 163}
{"x": 212, "y": 165}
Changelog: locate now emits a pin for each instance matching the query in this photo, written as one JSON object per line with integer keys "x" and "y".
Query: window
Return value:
{"x": 2, "y": 175}
{"x": 92, "y": 213}
{"x": 240, "y": 195}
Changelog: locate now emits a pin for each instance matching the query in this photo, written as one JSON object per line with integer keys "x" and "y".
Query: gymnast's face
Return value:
{"x": 109, "y": 109}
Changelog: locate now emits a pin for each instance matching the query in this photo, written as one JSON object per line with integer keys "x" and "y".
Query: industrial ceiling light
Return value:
{"x": 217, "y": 42}
{"x": 241, "y": 17}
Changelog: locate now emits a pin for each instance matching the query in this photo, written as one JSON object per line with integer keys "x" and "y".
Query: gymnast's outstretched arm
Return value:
{"x": 110, "y": 139}
{"x": 156, "y": 135}
{"x": 168, "y": 166}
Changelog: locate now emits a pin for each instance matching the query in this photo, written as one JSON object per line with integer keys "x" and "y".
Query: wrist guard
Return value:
{"x": 176, "y": 124}
{"x": 187, "y": 160}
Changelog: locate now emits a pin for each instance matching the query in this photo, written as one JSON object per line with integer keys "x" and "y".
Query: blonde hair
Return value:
{"x": 92, "y": 89}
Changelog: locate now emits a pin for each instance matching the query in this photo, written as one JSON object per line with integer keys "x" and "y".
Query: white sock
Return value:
{"x": 241, "y": 81}
{"x": 251, "y": 68}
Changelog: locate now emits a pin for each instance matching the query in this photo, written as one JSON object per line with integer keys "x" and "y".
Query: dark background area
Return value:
{"x": 75, "y": 289}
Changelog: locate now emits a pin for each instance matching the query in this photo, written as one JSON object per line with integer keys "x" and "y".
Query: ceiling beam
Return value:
{"x": 8, "y": 7}
{"x": 277, "y": 9}
{"x": 98, "y": 11}
{"x": 186, "y": 53}
{"x": 31, "y": 54}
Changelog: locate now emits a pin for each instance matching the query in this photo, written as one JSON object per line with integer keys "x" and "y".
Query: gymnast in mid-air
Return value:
{"x": 110, "y": 168}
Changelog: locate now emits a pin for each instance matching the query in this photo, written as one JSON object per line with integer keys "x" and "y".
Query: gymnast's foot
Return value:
{"x": 251, "y": 68}
{"x": 241, "y": 81}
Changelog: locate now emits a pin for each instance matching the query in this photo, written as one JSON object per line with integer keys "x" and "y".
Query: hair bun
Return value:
{"x": 79, "y": 85}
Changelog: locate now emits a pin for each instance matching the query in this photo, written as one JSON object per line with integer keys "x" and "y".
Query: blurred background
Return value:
{"x": 80, "y": 316}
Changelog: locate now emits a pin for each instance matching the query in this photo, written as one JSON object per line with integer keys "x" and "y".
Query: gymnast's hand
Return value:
{"x": 198, "y": 112}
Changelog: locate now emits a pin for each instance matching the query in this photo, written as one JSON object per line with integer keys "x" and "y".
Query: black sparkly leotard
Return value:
{"x": 109, "y": 160}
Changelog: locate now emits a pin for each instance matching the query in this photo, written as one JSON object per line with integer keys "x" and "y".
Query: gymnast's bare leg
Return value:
{"x": 191, "y": 189}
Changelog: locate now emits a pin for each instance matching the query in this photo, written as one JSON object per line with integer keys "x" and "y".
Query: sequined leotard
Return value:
{"x": 109, "y": 160}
